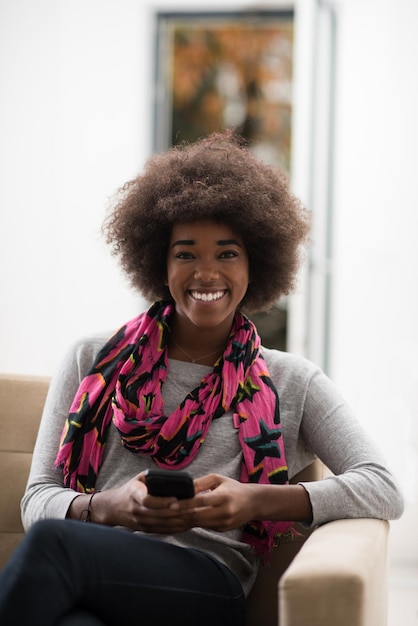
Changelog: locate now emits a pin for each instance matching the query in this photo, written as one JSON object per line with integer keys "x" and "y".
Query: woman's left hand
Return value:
{"x": 220, "y": 503}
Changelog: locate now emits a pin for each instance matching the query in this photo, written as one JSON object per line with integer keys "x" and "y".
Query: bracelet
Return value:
{"x": 87, "y": 512}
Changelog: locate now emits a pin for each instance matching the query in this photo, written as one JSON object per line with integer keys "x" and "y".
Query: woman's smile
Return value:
{"x": 207, "y": 296}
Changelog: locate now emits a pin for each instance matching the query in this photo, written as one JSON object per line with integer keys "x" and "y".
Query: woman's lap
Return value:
{"x": 119, "y": 576}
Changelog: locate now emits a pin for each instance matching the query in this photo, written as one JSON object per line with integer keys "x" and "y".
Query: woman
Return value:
{"x": 206, "y": 232}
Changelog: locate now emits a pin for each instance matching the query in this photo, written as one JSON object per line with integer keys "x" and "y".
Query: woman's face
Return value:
{"x": 207, "y": 273}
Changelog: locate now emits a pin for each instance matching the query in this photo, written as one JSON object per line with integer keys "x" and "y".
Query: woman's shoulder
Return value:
{"x": 90, "y": 344}
{"x": 288, "y": 361}
{"x": 82, "y": 352}
{"x": 296, "y": 374}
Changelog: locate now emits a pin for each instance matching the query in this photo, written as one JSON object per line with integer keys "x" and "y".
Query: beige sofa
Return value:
{"x": 336, "y": 575}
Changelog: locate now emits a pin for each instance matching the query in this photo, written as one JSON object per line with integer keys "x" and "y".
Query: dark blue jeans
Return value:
{"x": 67, "y": 573}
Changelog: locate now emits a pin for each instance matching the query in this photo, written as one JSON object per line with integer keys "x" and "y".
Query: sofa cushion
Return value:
{"x": 21, "y": 402}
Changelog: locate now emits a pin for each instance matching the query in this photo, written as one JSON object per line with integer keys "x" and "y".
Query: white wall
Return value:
{"x": 375, "y": 300}
{"x": 74, "y": 125}
{"x": 75, "y": 121}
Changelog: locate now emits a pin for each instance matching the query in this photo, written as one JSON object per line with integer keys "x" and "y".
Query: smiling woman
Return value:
{"x": 208, "y": 232}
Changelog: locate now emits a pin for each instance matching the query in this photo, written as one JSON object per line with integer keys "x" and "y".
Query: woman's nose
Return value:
{"x": 206, "y": 272}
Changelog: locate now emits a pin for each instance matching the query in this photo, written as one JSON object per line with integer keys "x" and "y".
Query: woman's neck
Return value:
{"x": 203, "y": 346}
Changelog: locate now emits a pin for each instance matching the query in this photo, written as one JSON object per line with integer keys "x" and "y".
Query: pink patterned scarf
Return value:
{"x": 123, "y": 387}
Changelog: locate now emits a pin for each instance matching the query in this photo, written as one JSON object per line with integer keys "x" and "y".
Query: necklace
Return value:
{"x": 193, "y": 360}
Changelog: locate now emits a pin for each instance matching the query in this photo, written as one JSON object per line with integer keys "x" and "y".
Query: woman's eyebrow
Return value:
{"x": 183, "y": 242}
{"x": 221, "y": 242}
{"x": 229, "y": 242}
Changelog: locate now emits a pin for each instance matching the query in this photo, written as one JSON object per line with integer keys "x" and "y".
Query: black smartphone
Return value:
{"x": 166, "y": 483}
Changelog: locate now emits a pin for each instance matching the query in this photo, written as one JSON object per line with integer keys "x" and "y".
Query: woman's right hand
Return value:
{"x": 131, "y": 506}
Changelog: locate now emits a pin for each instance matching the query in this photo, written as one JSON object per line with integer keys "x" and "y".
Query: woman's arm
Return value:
{"x": 45, "y": 495}
{"x": 362, "y": 484}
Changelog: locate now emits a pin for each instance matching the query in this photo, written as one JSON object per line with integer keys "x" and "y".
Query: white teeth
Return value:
{"x": 207, "y": 297}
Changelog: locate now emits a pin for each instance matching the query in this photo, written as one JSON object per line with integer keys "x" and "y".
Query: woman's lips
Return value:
{"x": 207, "y": 296}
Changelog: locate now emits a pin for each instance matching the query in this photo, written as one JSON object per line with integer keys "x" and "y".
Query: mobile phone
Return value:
{"x": 166, "y": 483}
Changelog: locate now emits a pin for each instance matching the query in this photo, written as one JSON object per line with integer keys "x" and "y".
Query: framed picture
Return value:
{"x": 225, "y": 70}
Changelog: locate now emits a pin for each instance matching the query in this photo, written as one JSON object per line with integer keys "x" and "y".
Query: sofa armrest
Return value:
{"x": 338, "y": 577}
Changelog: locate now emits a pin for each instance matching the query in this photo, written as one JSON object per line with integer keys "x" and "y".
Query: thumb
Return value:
{"x": 208, "y": 482}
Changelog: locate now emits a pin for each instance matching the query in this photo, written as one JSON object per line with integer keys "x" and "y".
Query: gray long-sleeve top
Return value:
{"x": 316, "y": 421}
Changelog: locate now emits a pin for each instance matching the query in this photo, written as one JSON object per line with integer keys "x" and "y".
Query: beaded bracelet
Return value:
{"x": 87, "y": 511}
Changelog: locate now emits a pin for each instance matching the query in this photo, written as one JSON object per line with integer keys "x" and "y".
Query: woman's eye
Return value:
{"x": 229, "y": 254}
{"x": 184, "y": 255}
